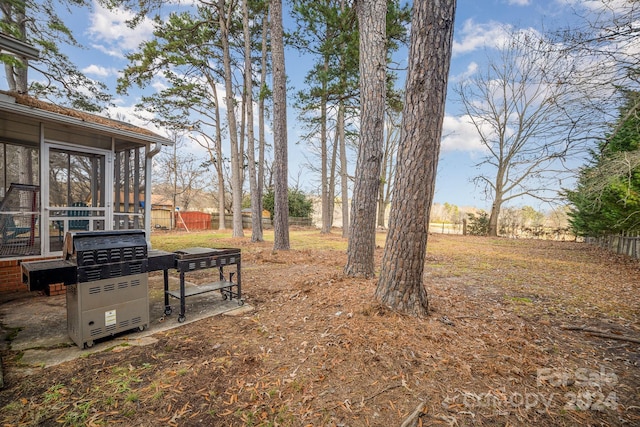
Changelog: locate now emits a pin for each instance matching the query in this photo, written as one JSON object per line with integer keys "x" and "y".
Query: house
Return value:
{"x": 63, "y": 170}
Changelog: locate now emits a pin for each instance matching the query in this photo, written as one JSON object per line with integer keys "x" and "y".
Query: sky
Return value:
{"x": 479, "y": 26}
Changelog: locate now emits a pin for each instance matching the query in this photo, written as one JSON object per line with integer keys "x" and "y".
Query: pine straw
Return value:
{"x": 318, "y": 351}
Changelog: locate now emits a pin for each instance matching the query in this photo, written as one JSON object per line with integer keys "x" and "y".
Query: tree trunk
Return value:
{"x": 236, "y": 170}
{"x": 332, "y": 179}
{"x": 493, "y": 218}
{"x": 256, "y": 211}
{"x": 400, "y": 284}
{"x": 362, "y": 237}
{"x": 341, "y": 140}
{"x": 261, "y": 109}
{"x": 381, "y": 201}
{"x": 219, "y": 162}
{"x": 497, "y": 201}
{"x": 324, "y": 180}
{"x": 392, "y": 129}
{"x": 15, "y": 15}
{"x": 344, "y": 175}
{"x": 280, "y": 154}
{"x": 383, "y": 181}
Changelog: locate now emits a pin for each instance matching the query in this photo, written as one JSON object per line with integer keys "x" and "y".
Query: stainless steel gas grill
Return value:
{"x": 107, "y": 282}
{"x": 112, "y": 293}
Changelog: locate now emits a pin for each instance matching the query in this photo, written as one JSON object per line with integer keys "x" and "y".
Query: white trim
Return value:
{"x": 109, "y": 185}
{"x": 18, "y": 47}
{"x": 147, "y": 194}
{"x": 107, "y": 209}
{"x": 74, "y": 147}
{"x": 45, "y": 242}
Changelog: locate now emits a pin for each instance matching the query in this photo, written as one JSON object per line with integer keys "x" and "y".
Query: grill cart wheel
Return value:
{"x": 181, "y": 319}
{"x": 168, "y": 311}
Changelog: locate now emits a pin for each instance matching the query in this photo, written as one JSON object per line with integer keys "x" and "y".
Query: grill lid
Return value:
{"x": 105, "y": 247}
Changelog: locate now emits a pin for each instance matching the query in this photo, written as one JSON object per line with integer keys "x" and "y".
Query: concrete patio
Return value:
{"x": 36, "y": 324}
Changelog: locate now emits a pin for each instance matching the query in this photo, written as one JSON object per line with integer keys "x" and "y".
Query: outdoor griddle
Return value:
{"x": 192, "y": 259}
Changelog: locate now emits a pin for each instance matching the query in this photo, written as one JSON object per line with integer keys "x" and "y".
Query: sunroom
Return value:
{"x": 63, "y": 170}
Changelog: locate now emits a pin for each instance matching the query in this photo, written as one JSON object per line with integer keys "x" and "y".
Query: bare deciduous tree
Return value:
{"x": 526, "y": 118}
{"x": 256, "y": 212}
{"x": 179, "y": 176}
{"x": 606, "y": 36}
{"x": 392, "y": 137}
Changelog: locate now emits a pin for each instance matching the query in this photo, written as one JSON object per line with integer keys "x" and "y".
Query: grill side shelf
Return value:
{"x": 161, "y": 260}
{"x": 37, "y": 275}
{"x": 198, "y": 253}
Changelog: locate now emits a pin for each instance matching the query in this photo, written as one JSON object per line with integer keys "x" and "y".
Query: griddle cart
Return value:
{"x": 193, "y": 259}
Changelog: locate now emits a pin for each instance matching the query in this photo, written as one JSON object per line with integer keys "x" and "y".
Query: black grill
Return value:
{"x": 107, "y": 254}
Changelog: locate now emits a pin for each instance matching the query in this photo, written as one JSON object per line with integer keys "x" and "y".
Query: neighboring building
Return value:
{"x": 162, "y": 213}
{"x": 62, "y": 170}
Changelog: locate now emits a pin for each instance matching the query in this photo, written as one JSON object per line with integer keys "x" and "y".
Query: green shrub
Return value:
{"x": 478, "y": 225}
{"x": 300, "y": 206}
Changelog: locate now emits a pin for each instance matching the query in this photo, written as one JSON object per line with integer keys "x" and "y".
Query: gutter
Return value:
{"x": 18, "y": 47}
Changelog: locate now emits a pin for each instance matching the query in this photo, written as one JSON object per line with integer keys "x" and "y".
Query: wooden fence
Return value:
{"x": 621, "y": 244}
{"x": 161, "y": 220}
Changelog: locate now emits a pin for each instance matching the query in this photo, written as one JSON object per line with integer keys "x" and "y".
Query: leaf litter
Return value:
{"x": 520, "y": 332}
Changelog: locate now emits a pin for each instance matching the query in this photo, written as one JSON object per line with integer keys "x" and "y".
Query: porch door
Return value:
{"x": 74, "y": 192}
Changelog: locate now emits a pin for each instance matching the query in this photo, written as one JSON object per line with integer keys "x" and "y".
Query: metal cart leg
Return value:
{"x": 182, "y": 298}
{"x": 167, "y": 307}
{"x": 225, "y": 292}
{"x": 239, "y": 278}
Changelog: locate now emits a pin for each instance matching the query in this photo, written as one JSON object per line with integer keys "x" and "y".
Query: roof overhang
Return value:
{"x": 18, "y": 47}
{"x": 9, "y": 105}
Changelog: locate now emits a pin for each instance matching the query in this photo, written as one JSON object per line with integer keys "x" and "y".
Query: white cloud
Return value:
{"x": 609, "y": 6}
{"x": 460, "y": 135}
{"x": 159, "y": 86}
{"x": 110, "y": 33}
{"x": 99, "y": 71}
{"x": 520, "y": 2}
{"x": 474, "y": 36}
{"x": 472, "y": 68}
{"x": 129, "y": 114}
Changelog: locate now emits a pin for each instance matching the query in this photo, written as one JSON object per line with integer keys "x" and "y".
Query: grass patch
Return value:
{"x": 12, "y": 333}
{"x": 307, "y": 239}
{"x": 54, "y": 393}
{"x": 520, "y": 300}
{"x": 78, "y": 415}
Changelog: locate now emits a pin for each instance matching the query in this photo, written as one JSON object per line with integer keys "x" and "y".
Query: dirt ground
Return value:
{"x": 521, "y": 332}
